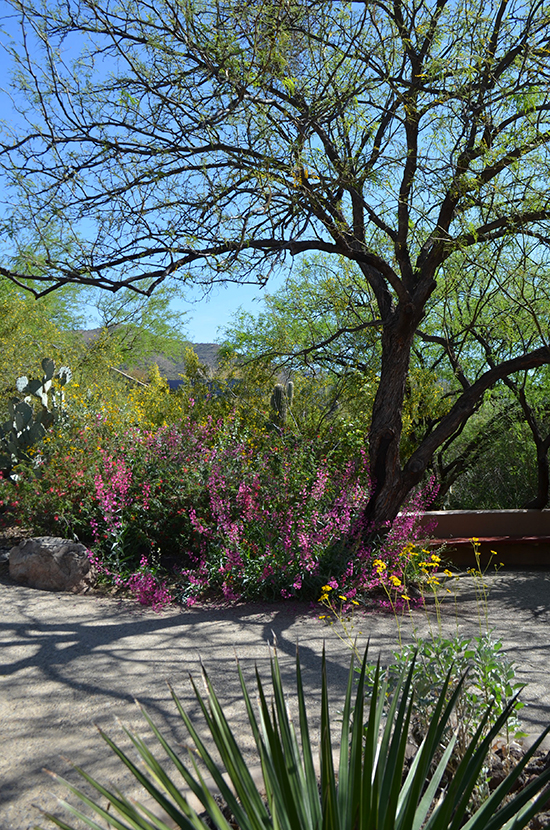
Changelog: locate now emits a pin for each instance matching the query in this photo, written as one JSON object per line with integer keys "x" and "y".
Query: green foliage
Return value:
{"x": 369, "y": 787}
{"x": 24, "y": 429}
{"x": 31, "y": 328}
{"x": 492, "y": 464}
{"x": 142, "y": 328}
{"x": 321, "y": 326}
{"x": 476, "y": 667}
{"x": 133, "y": 331}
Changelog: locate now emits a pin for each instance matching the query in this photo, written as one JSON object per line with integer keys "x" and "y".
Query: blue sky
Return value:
{"x": 206, "y": 316}
{"x": 215, "y": 311}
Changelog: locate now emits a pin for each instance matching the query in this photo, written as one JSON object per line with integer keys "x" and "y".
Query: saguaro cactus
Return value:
{"x": 290, "y": 392}
{"x": 281, "y": 401}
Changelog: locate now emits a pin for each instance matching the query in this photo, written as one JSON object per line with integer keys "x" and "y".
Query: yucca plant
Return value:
{"x": 369, "y": 788}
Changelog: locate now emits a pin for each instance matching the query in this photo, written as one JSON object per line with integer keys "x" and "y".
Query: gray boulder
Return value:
{"x": 52, "y": 564}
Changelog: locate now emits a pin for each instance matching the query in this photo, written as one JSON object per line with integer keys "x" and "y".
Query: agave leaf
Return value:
{"x": 277, "y": 788}
{"x": 312, "y": 790}
{"x": 247, "y": 788}
{"x": 266, "y": 762}
{"x": 369, "y": 783}
{"x": 282, "y": 745}
{"x": 394, "y": 756}
{"x": 291, "y": 770}
{"x": 467, "y": 773}
{"x": 349, "y": 769}
{"x": 411, "y": 813}
{"x": 427, "y": 800}
{"x": 148, "y": 785}
{"x": 369, "y": 793}
{"x": 492, "y": 816}
{"x": 162, "y": 779}
{"x": 237, "y": 769}
{"x": 121, "y": 805}
{"x": 329, "y": 798}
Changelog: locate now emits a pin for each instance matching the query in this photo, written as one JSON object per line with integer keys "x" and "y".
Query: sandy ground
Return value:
{"x": 69, "y": 662}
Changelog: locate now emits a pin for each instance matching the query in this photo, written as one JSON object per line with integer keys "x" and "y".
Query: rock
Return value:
{"x": 52, "y": 564}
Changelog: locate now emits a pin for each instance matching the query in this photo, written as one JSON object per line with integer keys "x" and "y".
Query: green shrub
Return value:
{"x": 477, "y": 667}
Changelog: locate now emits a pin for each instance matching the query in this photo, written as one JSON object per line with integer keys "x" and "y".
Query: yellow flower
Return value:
{"x": 447, "y": 572}
{"x": 326, "y": 588}
{"x": 342, "y": 597}
{"x": 395, "y": 581}
{"x": 404, "y": 596}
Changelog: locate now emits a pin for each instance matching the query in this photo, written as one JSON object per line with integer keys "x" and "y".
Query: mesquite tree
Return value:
{"x": 211, "y": 140}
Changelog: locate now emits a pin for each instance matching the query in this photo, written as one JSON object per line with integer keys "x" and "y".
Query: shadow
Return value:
{"x": 526, "y": 592}
{"x": 69, "y": 661}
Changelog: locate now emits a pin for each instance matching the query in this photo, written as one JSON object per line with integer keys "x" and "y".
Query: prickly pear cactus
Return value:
{"x": 25, "y": 427}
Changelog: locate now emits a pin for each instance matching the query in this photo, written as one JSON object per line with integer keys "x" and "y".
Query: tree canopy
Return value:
{"x": 210, "y": 140}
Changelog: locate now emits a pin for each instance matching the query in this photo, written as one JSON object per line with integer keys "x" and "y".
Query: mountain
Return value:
{"x": 169, "y": 368}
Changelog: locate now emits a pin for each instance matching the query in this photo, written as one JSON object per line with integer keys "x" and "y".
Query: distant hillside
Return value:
{"x": 169, "y": 368}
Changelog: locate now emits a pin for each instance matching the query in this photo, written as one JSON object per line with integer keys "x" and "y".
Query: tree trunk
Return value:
{"x": 543, "y": 477}
{"x": 392, "y": 481}
{"x": 390, "y": 486}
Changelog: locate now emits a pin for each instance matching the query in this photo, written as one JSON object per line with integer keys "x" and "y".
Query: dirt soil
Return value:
{"x": 68, "y": 662}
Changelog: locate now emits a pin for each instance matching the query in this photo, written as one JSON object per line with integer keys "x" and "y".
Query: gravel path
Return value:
{"x": 67, "y": 662}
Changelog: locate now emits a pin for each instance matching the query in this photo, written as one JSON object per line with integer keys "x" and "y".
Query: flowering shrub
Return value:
{"x": 144, "y": 584}
{"x": 8, "y": 506}
{"x": 229, "y": 512}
